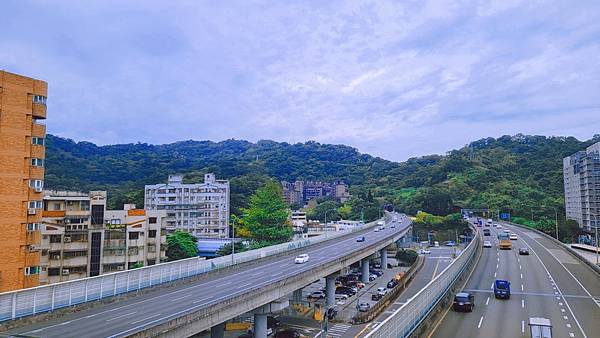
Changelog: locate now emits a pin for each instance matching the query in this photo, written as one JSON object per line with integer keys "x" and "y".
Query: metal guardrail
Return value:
{"x": 407, "y": 318}
{"x": 26, "y": 302}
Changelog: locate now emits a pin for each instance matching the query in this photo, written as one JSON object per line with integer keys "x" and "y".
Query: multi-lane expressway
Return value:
{"x": 161, "y": 305}
{"x": 547, "y": 283}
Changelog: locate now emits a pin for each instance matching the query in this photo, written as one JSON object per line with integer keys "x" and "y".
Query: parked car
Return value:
{"x": 487, "y": 244}
{"x": 372, "y": 277}
{"x": 375, "y": 297}
{"x": 355, "y": 284}
{"x": 316, "y": 295}
{"x": 363, "y": 307}
{"x": 360, "y": 239}
{"x": 464, "y": 301}
{"x": 300, "y": 259}
{"x": 449, "y": 243}
{"x": 340, "y": 296}
{"x": 513, "y": 237}
{"x": 424, "y": 251}
{"x": 382, "y": 291}
{"x": 523, "y": 251}
{"x": 288, "y": 333}
{"x": 379, "y": 273}
{"x": 345, "y": 290}
{"x": 392, "y": 284}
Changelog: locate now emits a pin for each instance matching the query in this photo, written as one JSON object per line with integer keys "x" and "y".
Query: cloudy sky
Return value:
{"x": 394, "y": 79}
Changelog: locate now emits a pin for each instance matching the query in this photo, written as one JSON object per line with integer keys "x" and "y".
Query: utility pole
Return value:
{"x": 596, "y": 243}
{"x": 556, "y": 222}
{"x": 232, "y": 241}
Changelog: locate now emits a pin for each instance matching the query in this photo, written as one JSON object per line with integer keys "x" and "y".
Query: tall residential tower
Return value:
{"x": 581, "y": 174}
{"x": 22, "y": 153}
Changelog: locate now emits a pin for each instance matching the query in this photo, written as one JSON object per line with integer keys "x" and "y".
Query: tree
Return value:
{"x": 326, "y": 206}
{"x": 180, "y": 245}
{"x": 226, "y": 249}
{"x": 266, "y": 220}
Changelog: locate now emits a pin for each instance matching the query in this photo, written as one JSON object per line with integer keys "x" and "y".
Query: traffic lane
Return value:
{"x": 150, "y": 315}
{"x": 584, "y": 310}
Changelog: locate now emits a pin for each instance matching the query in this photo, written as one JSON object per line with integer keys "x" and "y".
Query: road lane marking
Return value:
{"x": 521, "y": 276}
{"x": 550, "y": 275}
{"x": 143, "y": 319}
{"x": 571, "y": 334}
{"x": 520, "y": 267}
{"x": 435, "y": 270}
{"x": 495, "y": 273}
{"x": 568, "y": 325}
{"x": 522, "y": 287}
{"x": 522, "y": 326}
{"x": 565, "y": 318}
{"x": 121, "y": 316}
{"x": 487, "y": 301}
{"x": 522, "y": 303}
{"x": 178, "y": 298}
{"x": 496, "y": 266}
{"x": 480, "y": 321}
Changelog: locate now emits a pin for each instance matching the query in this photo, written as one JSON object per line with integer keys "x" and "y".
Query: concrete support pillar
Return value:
{"x": 297, "y": 295}
{"x": 365, "y": 270}
{"x": 330, "y": 291}
{"x": 384, "y": 258}
{"x": 260, "y": 325}
{"x": 217, "y": 331}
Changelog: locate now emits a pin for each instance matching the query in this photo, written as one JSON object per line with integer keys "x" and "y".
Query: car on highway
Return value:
{"x": 424, "y": 251}
{"x": 377, "y": 229}
{"x": 363, "y": 307}
{"x": 392, "y": 284}
{"x": 523, "y": 251}
{"x": 449, "y": 243}
{"x": 513, "y": 237}
{"x": 506, "y": 231}
{"x": 487, "y": 244}
{"x": 486, "y": 232}
{"x": 380, "y": 223}
{"x": 375, "y": 297}
{"x": 302, "y": 258}
{"x": 502, "y": 289}
{"x": 464, "y": 301}
{"x": 393, "y": 226}
{"x": 382, "y": 291}
{"x": 288, "y": 333}
{"x": 316, "y": 295}
{"x": 360, "y": 239}
{"x": 379, "y": 273}
{"x": 372, "y": 277}
{"x": 498, "y": 226}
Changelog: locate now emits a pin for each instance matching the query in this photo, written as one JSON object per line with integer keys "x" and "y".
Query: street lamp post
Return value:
{"x": 232, "y": 241}
{"x": 596, "y": 243}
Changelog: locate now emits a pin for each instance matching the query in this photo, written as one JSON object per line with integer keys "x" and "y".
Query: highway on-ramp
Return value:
{"x": 156, "y": 306}
{"x": 547, "y": 283}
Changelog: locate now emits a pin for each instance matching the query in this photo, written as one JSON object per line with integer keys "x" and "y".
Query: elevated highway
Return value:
{"x": 189, "y": 308}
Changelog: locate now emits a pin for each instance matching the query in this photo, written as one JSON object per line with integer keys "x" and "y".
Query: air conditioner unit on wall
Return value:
{"x": 120, "y": 267}
{"x": 31, "y": 211}
{"x": 67, "y": 239}
{"x": 65, "y": 272}
{"x": 38, "y": 189}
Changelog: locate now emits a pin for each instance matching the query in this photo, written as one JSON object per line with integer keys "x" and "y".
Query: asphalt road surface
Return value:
{"x": 132, "y": 315}
{"x": 548, "y": 283}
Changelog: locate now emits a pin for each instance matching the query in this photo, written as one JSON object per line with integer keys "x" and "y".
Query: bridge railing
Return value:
{"x": 31, "y": 301}
{"x": 407, "y": 318}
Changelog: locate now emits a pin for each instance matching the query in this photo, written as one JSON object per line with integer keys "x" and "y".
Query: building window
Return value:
{"x": 32, "y": 270}
{"x": 36, "y": 184}
{"x": 152, "y": 220}
{"x": 55, "y": 239}
{"x": 134, "y": 235}
{"x": 37, "y": 162}
{"x": 53, "y": 271}
{"x": 39, "y": 99}
{"x": 40, "y": 141}
{"x": 33, "y": 226}
{"x": 35, "y": 204}
{"x": 152, "y": 233}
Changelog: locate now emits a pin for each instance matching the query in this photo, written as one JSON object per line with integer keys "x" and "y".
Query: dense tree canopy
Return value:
{"x": 181, "y": 245}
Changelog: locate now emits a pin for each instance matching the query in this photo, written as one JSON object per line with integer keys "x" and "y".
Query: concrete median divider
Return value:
{"x": 383, "y": 303}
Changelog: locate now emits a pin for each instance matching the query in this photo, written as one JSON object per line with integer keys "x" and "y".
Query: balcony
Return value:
{"x": 38, "y": 130}
{"x": 53, "y": 213}
{"x": 38, "y": 111}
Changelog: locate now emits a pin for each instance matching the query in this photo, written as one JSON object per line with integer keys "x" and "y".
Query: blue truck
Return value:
{"x": 502, "y": 289}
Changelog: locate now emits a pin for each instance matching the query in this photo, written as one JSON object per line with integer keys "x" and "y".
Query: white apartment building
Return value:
{"x": 80, "y": 238}
{"x": 201, "y": 209}
{"x": 581, "y": 174}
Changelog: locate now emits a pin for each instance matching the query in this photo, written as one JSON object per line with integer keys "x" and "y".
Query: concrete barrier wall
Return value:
{"x": 27, "y": 302}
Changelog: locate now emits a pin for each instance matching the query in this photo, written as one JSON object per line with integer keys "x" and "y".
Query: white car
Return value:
{"x": 498, "y": 226}
{"x": 513, "y": 237}
{"x": 380, "y": 223}
{"x": 424, "y": 252}
{"x": 300, "y": 259}
{"x": 506, "y": 231}
{"x": 377, "y": 229}
{"x": 340, "y": 296}
{"x": 487, "y": 244}
{"x": 382, "y": 291}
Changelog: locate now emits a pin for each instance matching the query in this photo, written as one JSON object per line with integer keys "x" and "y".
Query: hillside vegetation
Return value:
{"x": 511, "y": 172}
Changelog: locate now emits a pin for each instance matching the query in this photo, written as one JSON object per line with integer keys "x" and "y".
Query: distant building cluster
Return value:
{"x": 304, "y": 191}
{"x": 581, "y": 174}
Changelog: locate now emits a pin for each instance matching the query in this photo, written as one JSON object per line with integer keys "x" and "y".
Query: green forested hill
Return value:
{"x": 516, "y": 172}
